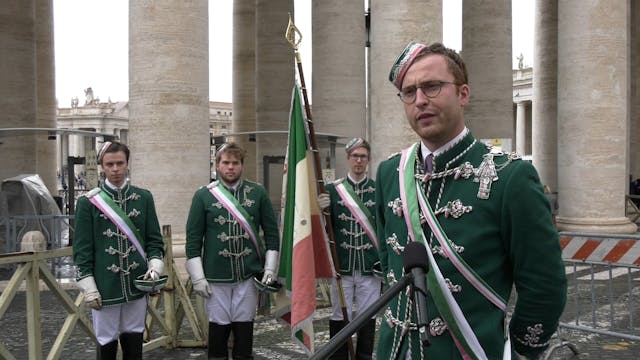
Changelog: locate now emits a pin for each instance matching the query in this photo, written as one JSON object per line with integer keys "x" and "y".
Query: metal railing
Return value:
{"x": 603, "y": 277}
{"x": 54, "y": 228}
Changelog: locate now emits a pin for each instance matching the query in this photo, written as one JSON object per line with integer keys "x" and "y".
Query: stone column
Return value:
{"x": 75, "y": 144}
{"x": 545, "y": 106}
{"x": 634, "y": 76}
{"x": 18, "y": 86}
{"x": 393, "y": 25}
{"x": 64, "y": 155}
{"x": 244, "y": 80}
{"x": 274, "y": 81}
{"x": 169, "y": 103}
{"x": 46, "y": 99}
{"x": 592, "y": 116}
{"x": 521, "y": 128}
{"x": 486, "y": 49}
{"x": 339, "y": 80}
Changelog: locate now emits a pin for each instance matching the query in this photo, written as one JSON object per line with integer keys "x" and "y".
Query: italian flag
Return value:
{"x": 304, "y": 250}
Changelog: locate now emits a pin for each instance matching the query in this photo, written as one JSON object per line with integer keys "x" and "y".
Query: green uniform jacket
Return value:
{"x": 507, "y": 239}
{"x": 228, "y": 254}
{"x": 102, "y": 251}
{"x": 354, "y": 248}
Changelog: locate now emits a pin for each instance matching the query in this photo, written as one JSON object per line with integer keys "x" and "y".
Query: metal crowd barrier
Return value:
{"x": 56, "y": 231}
{"x": 603, "y": 274}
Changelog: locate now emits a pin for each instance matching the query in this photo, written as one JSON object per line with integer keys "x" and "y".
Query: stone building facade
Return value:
{"x": 112, "y": 119}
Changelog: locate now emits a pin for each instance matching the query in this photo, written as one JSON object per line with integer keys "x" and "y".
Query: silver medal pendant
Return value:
{"x": 486, "y": 174}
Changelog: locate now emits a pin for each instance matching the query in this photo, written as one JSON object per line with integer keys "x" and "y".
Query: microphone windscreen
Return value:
{"x": 414, "y": 255}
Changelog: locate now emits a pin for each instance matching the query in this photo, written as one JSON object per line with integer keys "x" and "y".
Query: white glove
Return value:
{"x": 324, "y": 201}
{"x": 92, "y": 296}
{"x": 200, "y": 283}
{"x": 270, "y": 267}
{"x": 156, "y": 269}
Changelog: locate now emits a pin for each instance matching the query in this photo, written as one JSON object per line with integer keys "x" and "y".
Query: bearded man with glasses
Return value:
{"x": 484, "y": 218}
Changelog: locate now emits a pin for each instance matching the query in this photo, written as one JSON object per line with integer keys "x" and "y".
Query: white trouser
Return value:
{"x": 232, "y": 302}
{"x": 111, "y": 321}
{"x": 365, "y": 290}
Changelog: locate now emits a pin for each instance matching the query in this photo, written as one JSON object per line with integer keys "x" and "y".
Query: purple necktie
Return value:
{"x": 428, "y": 164}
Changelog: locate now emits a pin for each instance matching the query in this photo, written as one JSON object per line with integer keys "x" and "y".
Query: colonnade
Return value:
{"x": 585, "y": 108}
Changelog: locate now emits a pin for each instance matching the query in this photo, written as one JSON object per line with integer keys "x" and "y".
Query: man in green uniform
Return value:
{"x": 225, "y": 251}
{"x": 117, "y": 239}
{"x": 483, "y": 216}
{"x": 351, "y": 202}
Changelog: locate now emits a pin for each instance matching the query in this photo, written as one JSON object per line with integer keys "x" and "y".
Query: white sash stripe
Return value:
{"x": 463, "y": 325}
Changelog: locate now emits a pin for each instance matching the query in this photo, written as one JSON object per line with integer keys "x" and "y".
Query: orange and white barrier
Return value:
{"x": 601, "y": 249}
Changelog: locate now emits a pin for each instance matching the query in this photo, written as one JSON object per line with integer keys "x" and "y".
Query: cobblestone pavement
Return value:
{"x": 271, "y": 340}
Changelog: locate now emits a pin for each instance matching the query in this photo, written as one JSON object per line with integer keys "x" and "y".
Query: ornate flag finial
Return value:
{"x": 292, "y": 33}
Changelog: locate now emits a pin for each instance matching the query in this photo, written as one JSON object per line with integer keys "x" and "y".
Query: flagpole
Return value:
{"x": 292, "y": 30}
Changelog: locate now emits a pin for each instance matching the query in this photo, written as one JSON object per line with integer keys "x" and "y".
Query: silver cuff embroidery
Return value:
{"x": 532, "y": 337}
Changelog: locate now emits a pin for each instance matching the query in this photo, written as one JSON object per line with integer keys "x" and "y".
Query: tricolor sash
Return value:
{"x": 112, "y": 211}
{"x": 359, "y": 211}
{"x": 413, "y": 199}
{"x": 236, "y": 210}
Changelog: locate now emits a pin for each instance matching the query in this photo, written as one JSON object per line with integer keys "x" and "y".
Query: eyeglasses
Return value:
{"x": 430, "y": 89}
{"x": 359, "y": 157}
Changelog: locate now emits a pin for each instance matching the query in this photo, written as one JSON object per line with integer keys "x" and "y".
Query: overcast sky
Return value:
{"x": 92, "y": 44}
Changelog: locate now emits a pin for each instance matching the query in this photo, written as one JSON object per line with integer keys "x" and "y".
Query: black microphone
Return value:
{"x": 416, "y": 261}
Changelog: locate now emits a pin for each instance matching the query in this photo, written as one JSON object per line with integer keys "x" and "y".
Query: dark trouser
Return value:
{"x": 366, "y": 337}
{"x": 342, "y": 353}
{"x": 218, "y": 338}
{"x": 242, "y": 340}
{"x": 131, "y": 344}
{"x": 108, "y": 351}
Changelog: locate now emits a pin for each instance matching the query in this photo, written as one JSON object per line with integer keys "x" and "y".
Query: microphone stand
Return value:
{"x": 332, "y": 346}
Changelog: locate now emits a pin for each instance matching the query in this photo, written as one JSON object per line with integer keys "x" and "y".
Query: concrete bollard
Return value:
{"x": 33, "y": 241}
